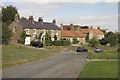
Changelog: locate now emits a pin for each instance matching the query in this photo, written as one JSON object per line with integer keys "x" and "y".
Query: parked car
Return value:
{"x": 99, "y": 50}
{"x": 81, "y": 49}
{"x": 37, "y": 44}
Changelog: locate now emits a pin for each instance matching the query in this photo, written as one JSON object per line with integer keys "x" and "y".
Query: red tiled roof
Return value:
{"x": 98, "y": 31}
{"x": 66, "y": 33}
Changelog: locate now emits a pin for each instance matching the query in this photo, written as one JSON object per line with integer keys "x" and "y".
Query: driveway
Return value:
{"x": 66, "y": 65}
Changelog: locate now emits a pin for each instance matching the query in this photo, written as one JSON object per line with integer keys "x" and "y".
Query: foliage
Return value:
{"x": 23, "y": 18}
{"x": 61, "y": 42}
{"x": 65, "y": 42}
{"x": 55, "y": 37}
{"x": 23, "y": 36}
{"x": 75, "y": 40}
{"x": 93, "y": 42}
{"x": 118, "y": 35}
{"x": 6, "y": 34}
{"x": 111, "y": 38}
{"x": 8, "y": 14}
{"x": 57, "y": 43}
{"x": 48, "y": 41}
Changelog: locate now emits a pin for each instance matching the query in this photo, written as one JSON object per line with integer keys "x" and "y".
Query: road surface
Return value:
{"x": 66, "y": 65}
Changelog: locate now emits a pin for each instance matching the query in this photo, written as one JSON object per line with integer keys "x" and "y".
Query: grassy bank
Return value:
{"x": 12, "y": 55}
{"x": 100, "y": 69}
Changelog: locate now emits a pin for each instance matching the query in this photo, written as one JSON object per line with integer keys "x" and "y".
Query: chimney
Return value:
{"x": 54, "y": 21}
{"x": 16, "y": 17}
{"x": 40, "y": 20}
{"x": 61, "y": 25}
{"x": 31, "y": 19}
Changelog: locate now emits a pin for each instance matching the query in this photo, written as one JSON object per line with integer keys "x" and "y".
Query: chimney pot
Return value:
{"x": 54, "y": 21}
{"x": 31, "y": 19}
{"x": 40, "y": 20}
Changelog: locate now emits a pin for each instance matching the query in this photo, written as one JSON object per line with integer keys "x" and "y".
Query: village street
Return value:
{"x": 66, "y": 65}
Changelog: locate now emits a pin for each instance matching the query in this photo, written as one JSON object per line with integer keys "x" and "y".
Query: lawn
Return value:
{"x": 109, "y": 52}
{"x": 100, "y": 69}
{"x": 103, "y": 55}
{"x": 12, "y": 55}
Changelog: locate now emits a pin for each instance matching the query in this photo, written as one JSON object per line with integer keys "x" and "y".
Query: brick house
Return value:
{"x": 34, "y": 29}
{"x": 69, "y": 32}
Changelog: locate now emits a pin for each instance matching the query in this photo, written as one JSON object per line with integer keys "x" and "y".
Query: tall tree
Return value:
{"x": 8, "y": 13}
{"x": 5, "y": 33}
{"x": 111, "y": 38}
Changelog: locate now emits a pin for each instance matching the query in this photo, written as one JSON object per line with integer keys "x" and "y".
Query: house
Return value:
{"x": 69, "y": 32}
{"x": 35, "y": 29}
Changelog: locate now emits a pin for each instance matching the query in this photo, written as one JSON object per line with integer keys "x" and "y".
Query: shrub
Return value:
{"x": 75, "y": 40}
{"x": 61, "y": 43}
{"x": 93, "y": 42}
{"x": 57, "y": 43}
{"x": 65, "y": 42}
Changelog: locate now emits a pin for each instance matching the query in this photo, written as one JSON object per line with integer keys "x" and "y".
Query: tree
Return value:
{"x": 48, "y": 41}
{"x": 55, "y": 37}
{"x": 111, "y": 38}
{"x": 23, "y": 18}
{"x": 93, "y": 42}
{"x": 23, "y": 36}
{"x": 6, "y": 34}
{"x": 8, "y": 14}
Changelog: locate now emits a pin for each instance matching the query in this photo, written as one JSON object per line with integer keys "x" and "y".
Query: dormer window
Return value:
{"x": 14, "y": 29}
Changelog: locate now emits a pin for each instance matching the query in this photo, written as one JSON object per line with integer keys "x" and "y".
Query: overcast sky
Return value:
{"x": 102, "y": 13}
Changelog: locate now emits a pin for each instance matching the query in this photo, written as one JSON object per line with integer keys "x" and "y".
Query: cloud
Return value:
{"x": 46, "y": 1}
{"x": 106, "y": 22}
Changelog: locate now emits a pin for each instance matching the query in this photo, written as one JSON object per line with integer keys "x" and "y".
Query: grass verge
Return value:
{"x": 100, "y": 69}
{"x": 12, "y": 55}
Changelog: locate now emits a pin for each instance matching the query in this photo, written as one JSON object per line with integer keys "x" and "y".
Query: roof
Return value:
{"x": 66, "y": 33}
{"x": 67, "y": 27}
{"x": 37, "y": 25}
{"x": 98, "y": 31}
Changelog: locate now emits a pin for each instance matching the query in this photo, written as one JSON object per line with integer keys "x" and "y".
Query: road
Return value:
{"x": 66, "y": 65}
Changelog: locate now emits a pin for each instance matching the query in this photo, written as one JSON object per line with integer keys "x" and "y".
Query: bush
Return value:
{"x": 65, "y": 42}
{"x": 93, "y": 42}
{"x": 61, "y": 43}
{"x": 56, "y": 43}
{"x": 75, "y": 40}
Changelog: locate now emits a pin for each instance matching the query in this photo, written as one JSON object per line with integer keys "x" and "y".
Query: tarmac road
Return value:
{"x": 66, "y": 65}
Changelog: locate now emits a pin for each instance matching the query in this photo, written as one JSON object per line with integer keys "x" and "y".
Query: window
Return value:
{"x": 14, "y": 29}
{"x": 34, "y": 31}
{"x": 52, "y": 32}
{"x": 56, "y": 32}
{"x": 27, "y": 31}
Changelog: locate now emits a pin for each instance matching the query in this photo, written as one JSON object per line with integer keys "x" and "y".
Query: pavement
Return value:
{"x": 66, "y": 65}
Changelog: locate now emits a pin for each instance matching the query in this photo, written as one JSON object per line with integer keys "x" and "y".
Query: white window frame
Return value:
{"x": 34, "y": 32}
{"x": 14, "y": 29}
{"x": 27, "y": 31}
{"x": 52, "y": 32}
{"x": 56, "y": 32}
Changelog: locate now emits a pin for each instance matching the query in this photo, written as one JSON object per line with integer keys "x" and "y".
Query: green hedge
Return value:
{"x": 61, "y": 43}
{"x": 65, "y": 42}
{"x": 75, "y": 40}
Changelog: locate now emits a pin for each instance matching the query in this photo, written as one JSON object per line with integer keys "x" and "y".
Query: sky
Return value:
{"x": 98, "y": 13}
